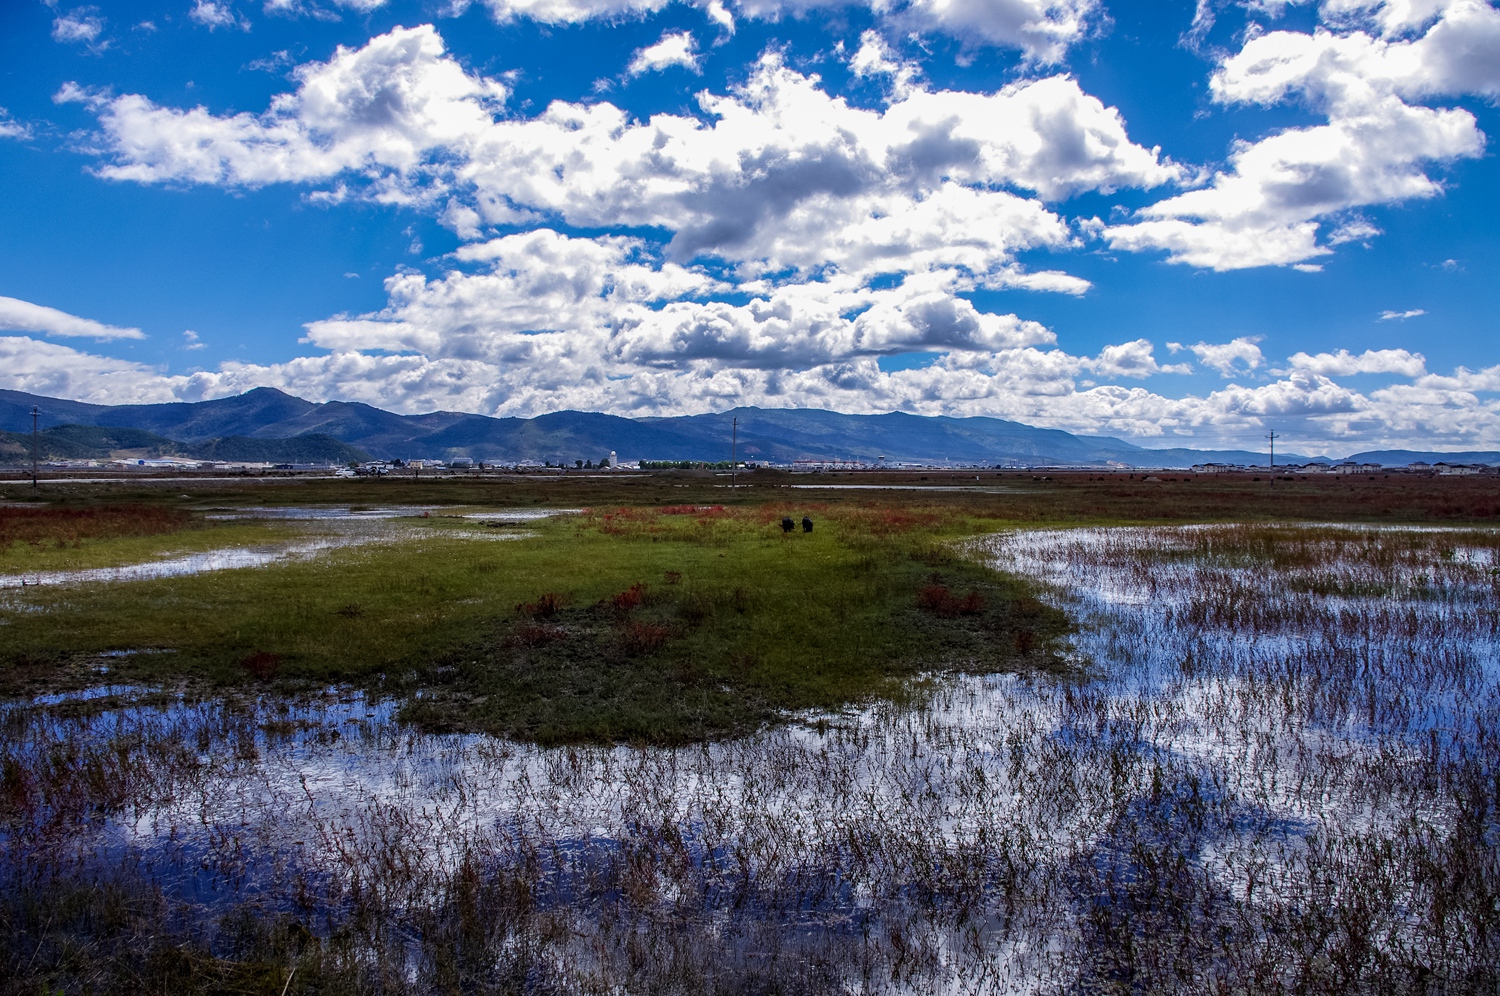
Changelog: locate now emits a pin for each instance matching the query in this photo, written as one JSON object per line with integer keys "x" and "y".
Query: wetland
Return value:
{"x": 1072, "y": 736}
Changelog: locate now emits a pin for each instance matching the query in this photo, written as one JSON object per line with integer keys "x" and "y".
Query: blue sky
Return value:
{"x": 1181, "y": 223}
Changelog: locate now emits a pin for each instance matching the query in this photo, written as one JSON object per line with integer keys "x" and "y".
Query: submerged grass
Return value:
{"x": 1255, "y": 789}
{"x": 1279, "y": 775}
{"x": 660, "y": 624}
{"x": 40, "y": 538}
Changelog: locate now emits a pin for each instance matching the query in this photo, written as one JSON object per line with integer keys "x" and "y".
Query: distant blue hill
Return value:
{"x": 1400, "y": 458}
{"x": 775, "y": 435}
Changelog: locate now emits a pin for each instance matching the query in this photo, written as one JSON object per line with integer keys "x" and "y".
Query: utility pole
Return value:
{"x": 734, "y": 446}
{"x": 1272, "y": 437}
{"x": 35, "y": 414}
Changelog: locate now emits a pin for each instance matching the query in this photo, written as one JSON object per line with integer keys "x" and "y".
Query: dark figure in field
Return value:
{"x": 787, "y": 525}
{"x": 806, "y": 524}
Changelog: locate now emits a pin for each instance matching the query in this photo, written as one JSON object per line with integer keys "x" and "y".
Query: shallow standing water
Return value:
{"x": 1275, "y": 763}
{"x": 331, "y": 527}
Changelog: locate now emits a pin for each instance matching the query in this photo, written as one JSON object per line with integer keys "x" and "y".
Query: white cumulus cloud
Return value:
{"x": 874, "y": 58}
{"x": 81, "y": 26}
{"x": 569, "y": 11}
{"x": 1230, "y": 359}
{"x": 57, "y": 371}
{"x": 1371, "y": 361}
{"x": 321, "y": 9}
{"x": 1271, "y": 206}
{"x": 776, "y": 174}
{"x": 23, "y": 316}
{"x": 215, "y": 14}
{"x": 11, "y": 128}
{"x": 391, "y": 108}
{"x": 676, "y": 48}
{"x": 1043, "y": 30}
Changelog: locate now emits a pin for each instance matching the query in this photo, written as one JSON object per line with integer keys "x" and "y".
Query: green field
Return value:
{"x": 659, "y": 624}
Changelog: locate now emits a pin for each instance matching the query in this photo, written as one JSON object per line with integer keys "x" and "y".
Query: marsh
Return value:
{"x": 1241, "y": 757}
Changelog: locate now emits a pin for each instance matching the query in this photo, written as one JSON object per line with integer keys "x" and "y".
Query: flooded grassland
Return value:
{"x": 1269, "y": 761}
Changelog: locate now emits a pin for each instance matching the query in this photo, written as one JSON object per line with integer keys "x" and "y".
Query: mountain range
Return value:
{"x": 91, "y": 442}
{"x": 773, "y": 435}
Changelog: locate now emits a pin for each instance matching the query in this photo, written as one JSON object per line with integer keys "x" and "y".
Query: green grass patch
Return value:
{"x": 42, "y": 539}
{"x": 648, "y": 624}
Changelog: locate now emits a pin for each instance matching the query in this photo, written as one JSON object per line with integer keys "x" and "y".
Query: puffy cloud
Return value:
{"x": 720, "y": 15}
{"x": 392, "y": 107}
{"x": 536, "y": 282}
{"x": 216, "y": 14}
{"x": 543, "y": 294}
{"x": 1371, "y": 361}
{"x": 1300, "y": 394}
{"x": 781, "y": 175}
{"x": 1400, "y": 316}
{"x": 1392, "y": 17}
{"x": 1270, "y": 206}
{"x": 1456, "y": 55}
{"x": 1267, "y": 211}
{"x": 874, "y": 58}
{"x": 23, "y": 316}
{"x": 1229, "y": 358}
{"x": 82, "y": 26}
{"x": 557, "y": 321}
{"x": 676, "y": 48}
{"x": 57, "y": 371}
{"x": 1043, "y": 30}
{"x": 845, "y": 234}
{"x": 11, "y": 128}
{"x": 322, "y": 9}
{"x": 951, "y": 227}
{"x": 569, "y": 11}
{"x": 803, "y": 326}
{"x": 1131, "y": 359}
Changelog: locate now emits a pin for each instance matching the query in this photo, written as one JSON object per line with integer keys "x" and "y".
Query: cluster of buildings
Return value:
{"x": 467, "y": 465}
{"x": 1350, "y": 467}
{"x": 463, "y": 464}
{"x": 177, "y": 463}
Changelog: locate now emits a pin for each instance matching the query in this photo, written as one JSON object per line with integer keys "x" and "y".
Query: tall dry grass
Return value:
{"x": 62, "y": 526}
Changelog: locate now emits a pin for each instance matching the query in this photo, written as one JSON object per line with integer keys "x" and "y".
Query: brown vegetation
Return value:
{"x": 46, "y": 525}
